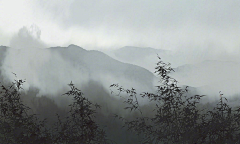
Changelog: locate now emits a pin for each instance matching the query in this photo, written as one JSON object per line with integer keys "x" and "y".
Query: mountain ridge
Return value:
{"x": 60, "y": 65}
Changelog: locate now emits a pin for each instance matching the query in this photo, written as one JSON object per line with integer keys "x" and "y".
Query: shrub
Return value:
{"x": 17, "y": 126}
{"x": 79, "y": 126}
{"x": 178, "y": 118}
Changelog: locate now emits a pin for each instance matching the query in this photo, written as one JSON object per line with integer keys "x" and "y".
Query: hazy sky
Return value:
{"x": 94, "y": 24}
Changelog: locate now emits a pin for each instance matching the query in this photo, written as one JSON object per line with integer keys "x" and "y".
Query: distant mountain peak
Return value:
{"x": 73, "y": 45}
{"x": 76, "y": 47}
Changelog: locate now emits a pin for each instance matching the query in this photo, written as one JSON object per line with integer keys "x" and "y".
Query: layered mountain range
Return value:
{"x": 204, "y": 76}
{"x": 51, "y": 69}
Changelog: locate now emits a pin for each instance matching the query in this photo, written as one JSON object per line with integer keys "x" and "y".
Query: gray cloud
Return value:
{"x": 195, "y": 30}
{"x": 27, "y": 38}
{"x": 110, "y": 24}
{"x": 161, "y": 13}
{"x": 159, "y": 24}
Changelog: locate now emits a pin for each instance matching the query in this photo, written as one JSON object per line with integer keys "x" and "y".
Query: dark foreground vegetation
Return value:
{"x": 172, "y": 117}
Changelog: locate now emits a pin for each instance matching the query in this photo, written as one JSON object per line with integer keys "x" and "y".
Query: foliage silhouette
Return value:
{"x": 17, "y": 126}
{"x": 178, "y": 118}
{"x": 79, "y": 126}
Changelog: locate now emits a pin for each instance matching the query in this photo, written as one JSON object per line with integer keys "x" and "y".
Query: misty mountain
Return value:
{"x": 147, "y": 57}
{"x": 98, "y": 64}
{"x": 205, "y": 77}
{"x": 53, "y": 68}
{"x": 210, "y": 77}
{"x": 142, "y": 56}
{"x": 130, "y": 53}
{"x": 209, "y": 71}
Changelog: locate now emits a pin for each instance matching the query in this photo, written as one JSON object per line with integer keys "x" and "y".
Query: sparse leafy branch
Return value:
{"x": 79, "y": 126}
{"x": 222, "y": 126}
{"x": 130, "y": 100}
{"x": 16, "y": 125}
{"x": 177, "y": 118}
{"x": 172, "y": 112}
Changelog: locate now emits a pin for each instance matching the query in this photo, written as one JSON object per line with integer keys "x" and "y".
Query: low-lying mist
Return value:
{"x": 209, "y": 69}
{"x": 50, "y": 69}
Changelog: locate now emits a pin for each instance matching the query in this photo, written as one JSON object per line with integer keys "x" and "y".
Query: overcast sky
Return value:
{"x": 95, "y": 24}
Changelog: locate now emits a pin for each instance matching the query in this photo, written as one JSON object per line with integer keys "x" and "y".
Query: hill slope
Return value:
{"x": 210, "y": 77}
{"x": 52, "y": 69}
{"x": 144, "y": 57}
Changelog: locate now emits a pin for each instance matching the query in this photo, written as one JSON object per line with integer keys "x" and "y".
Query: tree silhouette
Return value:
{"x": 79, "y": 126}
{"x": 17, "y": 126}
{"x": 178, "y": 118}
